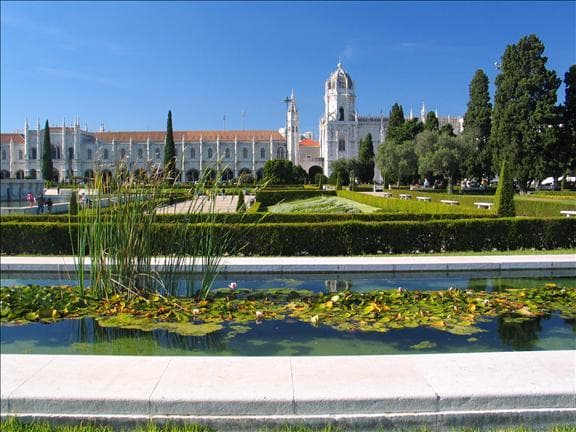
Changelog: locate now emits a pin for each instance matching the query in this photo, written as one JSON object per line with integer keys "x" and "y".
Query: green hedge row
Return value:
{"x": 334, "y": 238}
{"x": 253, "y": 216}
{"x": 541, "y": 207}
{"x": 268, "y": 197}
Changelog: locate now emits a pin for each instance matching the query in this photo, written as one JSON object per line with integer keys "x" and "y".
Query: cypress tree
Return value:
{"x": 73, "y": 204}
{"x": 504, "y": 197}
{"x": 366, "y": 159}
{"x": 568, "y": 133}
{"x": 524, "y": 111}
{"x": 47, "y": 164}
{"x": 240, "y": 205}
{"x": 169, "y": 150}
{"x": 395, "y": 123}
{"x": 431, "y": 122}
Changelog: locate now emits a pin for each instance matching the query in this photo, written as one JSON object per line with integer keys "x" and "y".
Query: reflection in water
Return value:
{"x": 521, "y": 335}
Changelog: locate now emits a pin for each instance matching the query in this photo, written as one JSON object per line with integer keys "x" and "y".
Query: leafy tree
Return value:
{"x": 504, "y": 197}
{"x": 397, "y": 162}
{"x": 395, "y": 123}
{"x": 568, "y": 129}
{"x": 477, "y": 124}
{"x": 342, "y": 168}
{"x": 439, "y": 154}
{"x": 47, "y": 164}
{"x": 524, "y": 111}
{"x": 447, "y": 129}
{"x": 366, "y": 160}
{"x": 169, "y": 150}
{"x": 280, "y": 172}
{"x": 431, "y": 122}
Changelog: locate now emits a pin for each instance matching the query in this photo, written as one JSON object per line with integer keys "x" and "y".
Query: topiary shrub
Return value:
{"x": 504, "y": 197}
{"x": 73, "y": 205}
{"x": 240, "y": 205}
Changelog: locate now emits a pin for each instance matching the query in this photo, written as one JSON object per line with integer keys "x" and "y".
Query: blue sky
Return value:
{"x": 125, "y": 64}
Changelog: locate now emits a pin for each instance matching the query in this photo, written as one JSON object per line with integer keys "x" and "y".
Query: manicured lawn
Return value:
{"x": 322, "y": 204}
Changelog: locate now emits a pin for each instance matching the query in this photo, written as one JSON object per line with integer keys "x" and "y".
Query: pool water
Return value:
{"x": 296, "y": 338}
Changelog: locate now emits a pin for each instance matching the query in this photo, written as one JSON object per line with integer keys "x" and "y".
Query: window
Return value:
{"x": 3, "y": 154}
{"x": 105, "y": 154}
{"x": 341, "y": 145}
{"x": 89, "y": 154}
{"x": 192, "y": 153}
{"x": 55, "y": 152}
{"x": 122, "y": 153}
{"x": 140, "y": 153}
{"x": 34, "y": 154}
{"x": 341, "y": 114}
{"x": 20, "y": 155}
{"x": 157, "y": 153}
{"x": 280, "y": 153}
{"x": 245, "y": 153}
{"x": 262, "y": 153}
{"x": 227, "y": 153}
{"x": 70, "y": 152}
{"x": 209, "y": 153}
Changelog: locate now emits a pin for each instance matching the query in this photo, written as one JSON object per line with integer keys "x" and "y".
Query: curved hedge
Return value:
{"x": 333, "y": 238}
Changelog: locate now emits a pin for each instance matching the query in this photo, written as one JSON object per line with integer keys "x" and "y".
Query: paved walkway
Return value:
{"x": 438, "y": 392}
{"x": 334, "y": 264}
{"x": 221, "y": 204}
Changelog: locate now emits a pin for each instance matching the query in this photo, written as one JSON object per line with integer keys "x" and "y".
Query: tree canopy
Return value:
{"x": 279, "y": 171}
{"x": 523, "y": 131}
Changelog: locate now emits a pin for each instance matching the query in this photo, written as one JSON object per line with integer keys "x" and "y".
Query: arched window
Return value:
{"x": 227, "y": 153}
{"x": 55, "y": 152}
{"x": 280, "y": 153}
{"x": 262, "y": 153}
{"x": 32, "y": 174}
{"x": 244, "y": 153}
{"x": 341, "y": 145}
{"x": 105, "y": 154}
{"x": 34, "y": 154}
{"x": 122, "y": 153}
{"x": 70, "y": 152}
{"x": 209, "y": 153}
{"x": 89, "y": 154}
{"x": 192, "y": 153}
{"x": 140, "y": 153}
{"x": 341, "y": 114}
{"x": 20, "y": 175}
{"x": 20, "y": 155}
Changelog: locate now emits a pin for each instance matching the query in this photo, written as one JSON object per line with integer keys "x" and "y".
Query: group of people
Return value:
{"x": 40, "y": 202}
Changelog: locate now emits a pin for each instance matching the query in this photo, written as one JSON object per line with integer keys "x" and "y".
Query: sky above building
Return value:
{"x": 231, "y": 65}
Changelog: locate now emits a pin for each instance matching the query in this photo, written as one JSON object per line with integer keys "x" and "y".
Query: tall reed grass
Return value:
{"x": 117, "y": 234}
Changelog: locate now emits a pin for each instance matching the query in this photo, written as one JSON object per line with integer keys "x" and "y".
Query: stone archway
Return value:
{"x": 313, "y": 170}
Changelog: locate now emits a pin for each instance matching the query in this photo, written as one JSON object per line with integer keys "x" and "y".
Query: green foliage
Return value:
{"x": 568, "y": 130}
{"x": 477, "y": 124}
{"x": 267, "y": 198}
{"x": 169, "y": 150}
{"x": 523, "y": 123}
{"x": 73, "y": 204}
{"x": 320, "y": 179}
{"x": 283, "y": 172}
{"x": 448, "y": 130}
{"x": 366, "y": 160}
{"x": 504, "y": 197}
{"x": 343, "y": 168}
{"x": 431, "y": 123}
{"x": 397, "y": 161}
{"x": 47, "y": 167}
{"x": 240, "y": 205}
{"x": 395, "y": 123}
{"x": 322, "y": 204}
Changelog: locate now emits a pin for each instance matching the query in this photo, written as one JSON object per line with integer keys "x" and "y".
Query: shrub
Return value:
{"x": 504, "y": 197}
{"x": 73, "y": 205}
{"x": 240, "y": 205}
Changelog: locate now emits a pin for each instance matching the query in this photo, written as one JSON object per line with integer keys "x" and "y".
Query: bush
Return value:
{"x": 331, "y": 238}
{"x": 504, "y": 197}
{"x": 73, "y": 205}
{"x": 240, "y": 205}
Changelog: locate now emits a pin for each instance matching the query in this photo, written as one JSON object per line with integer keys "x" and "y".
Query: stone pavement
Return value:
{"x": 439, "y": 391}
{"x": 221, "y": 204}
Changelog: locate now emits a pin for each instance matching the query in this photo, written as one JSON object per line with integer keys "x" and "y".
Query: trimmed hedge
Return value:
{"x": 335, "y": 238}
{"x": 526, "y": 206}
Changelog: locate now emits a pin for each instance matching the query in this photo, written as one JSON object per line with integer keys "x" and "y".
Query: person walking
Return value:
{"x": 40, "y": 201}
{"x": 49, "y": 205}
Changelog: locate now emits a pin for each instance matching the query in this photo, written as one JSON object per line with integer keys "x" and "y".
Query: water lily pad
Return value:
{"x": 147, "y": 324}
{"x": 424, "y": 345}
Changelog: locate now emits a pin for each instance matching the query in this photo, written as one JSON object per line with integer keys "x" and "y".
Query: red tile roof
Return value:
{"x": 306, "y": 142}
{"x": 5, "y": 138}
{"x": 229, "y": 135}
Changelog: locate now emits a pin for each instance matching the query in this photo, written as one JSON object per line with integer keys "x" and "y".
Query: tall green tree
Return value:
{"x": 279, "y": 171}
{"x": 47, "y": 164}
{"x": 395, "y": 123}
{"x": 568, "y": 128}
{"x": 432, "y": 123}
{"x": 366, "y": 159}
{"x": 397, "y": 162}
{"x": 477, "y": 124}
{"x": 504, "y": 196}
{"x": 169, "y": 150}
{"x": 524, "y": 111}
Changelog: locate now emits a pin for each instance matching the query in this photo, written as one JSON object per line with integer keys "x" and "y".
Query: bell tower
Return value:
{"x": 292, "y": 132}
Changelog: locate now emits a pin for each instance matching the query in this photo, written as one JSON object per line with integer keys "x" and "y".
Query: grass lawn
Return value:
{"x": 322, "y": 204}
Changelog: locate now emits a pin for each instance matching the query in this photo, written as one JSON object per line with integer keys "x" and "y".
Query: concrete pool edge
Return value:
{"x": 331, "y": 264}
{"x": 439, "y": 391}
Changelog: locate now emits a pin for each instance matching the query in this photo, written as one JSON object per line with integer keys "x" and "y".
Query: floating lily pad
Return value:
{"x": 424, "y": 345}
{"x": 148, "y": 324}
